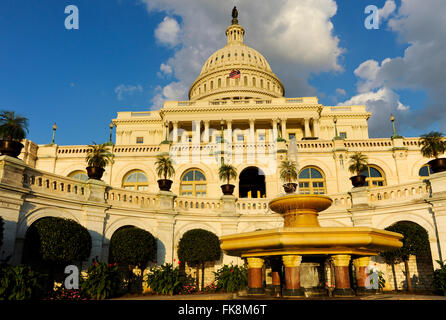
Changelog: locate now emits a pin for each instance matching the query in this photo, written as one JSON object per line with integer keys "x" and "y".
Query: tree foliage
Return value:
{"x": 12, "y": 126}
{"x": 1, "y": 231}
{"x": 98, "y": 155}
{"x": 415, "y": 242}
{"x": 58, "y": 241}
{"x": 433, "y": 144}
{"x": 288, "y": 171}
{"x": 226, "y": 172}
{"x": 358, "y": 162}
{"x": 132, "y": 246}
{"x": 164, "y": 167}
{"x": 198, "y": 246}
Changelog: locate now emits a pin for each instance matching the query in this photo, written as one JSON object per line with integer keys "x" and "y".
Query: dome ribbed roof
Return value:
{"x": 255, "y": 81}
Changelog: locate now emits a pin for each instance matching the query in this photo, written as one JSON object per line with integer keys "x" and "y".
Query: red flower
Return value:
{"x": 109, "y": 265}
{"x": 232, "y": 270}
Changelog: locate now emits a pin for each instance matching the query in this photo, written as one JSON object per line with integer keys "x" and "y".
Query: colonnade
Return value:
{"x": 288, "y": 283}
{"x": 275, "y": 123}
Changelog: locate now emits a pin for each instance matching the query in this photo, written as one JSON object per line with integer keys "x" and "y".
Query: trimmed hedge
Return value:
{"x": 132, "y": 246}
{"x": 57, "y": 241}
{"x": 198, "y": 246}
{"x": 1, "y": 231}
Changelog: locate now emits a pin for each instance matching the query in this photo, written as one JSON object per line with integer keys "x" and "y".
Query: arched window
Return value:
{"x": 79, "y": 175}
{"x": 425, "y": 171}
{"x": 135, "y": 180}
{"x": 193, "y": 184}
{"x": 311, "y": 181}
{"x": 375, "y": 176}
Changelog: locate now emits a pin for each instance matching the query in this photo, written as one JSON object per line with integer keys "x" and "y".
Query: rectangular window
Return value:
{"x": 262, "y": 137}
{"x": 139, "y": 140}
{"x": 291, "y": 136}
{"x": 218, "y": 139}
{"x": 343, "y": 135}
{"x": 240, "y": 138}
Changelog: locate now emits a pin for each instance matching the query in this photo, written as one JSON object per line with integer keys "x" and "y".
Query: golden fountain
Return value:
{"x": 302, "y": 238}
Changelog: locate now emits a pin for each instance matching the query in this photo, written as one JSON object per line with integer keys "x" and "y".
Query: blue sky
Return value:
{"x": 72, "y": 77}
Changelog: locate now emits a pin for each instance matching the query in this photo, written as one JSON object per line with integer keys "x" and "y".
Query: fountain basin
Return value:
{"x": 362, "y": 241}
{"x": 300, "y": 210}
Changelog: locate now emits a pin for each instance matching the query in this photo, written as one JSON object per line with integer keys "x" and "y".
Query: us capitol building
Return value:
{"x": 237, "y": 110}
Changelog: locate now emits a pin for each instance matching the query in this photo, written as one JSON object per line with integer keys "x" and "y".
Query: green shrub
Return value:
{"x": 57, "y": 241}
{"x": 197, "y": 247}
{"x": 1, "y": 231}
{"x": 132, "y": 246}
{"x": 102, "y": 281}
{"x": 231, "y": 278}
{"x": 440, "y": 278}
{"x": 19, "y": 283}
{"x": 166, "y": 279}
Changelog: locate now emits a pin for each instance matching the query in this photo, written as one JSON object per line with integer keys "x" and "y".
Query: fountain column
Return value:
{"x": 255, "y": 283}
{"x": 276, "y": 273}
{"x": 342, "y": 278}
{"x": 361, "y": 265}
{"x": 292, "y": 275}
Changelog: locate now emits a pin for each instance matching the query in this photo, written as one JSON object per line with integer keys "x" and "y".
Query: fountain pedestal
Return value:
{"x": 302, "y": 236}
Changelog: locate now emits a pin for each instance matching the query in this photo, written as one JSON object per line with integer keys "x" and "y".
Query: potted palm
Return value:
{"x": 358, "y": 163}
{"x": 164, "y": 170}
{"x": 432, "y": 147}
{"x": 98, "y": 156}
{"x": 288, "y": 173}
{"x": 13, "y": 129}
{"x": 226, "y": 172}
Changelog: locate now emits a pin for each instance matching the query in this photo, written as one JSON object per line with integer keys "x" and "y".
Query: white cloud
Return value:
{"x": 387, "y": 10}
{"x": 422, "y": 26}
{"x": 381, "y": 103}
{"x": 166, "y": 69}
{"x": 124, "y": 89}
{"x": 341, "y": 92}
{"x": 284, "y": 31}
{"x": 168, "y": 32}
{"x": 172, "y": 91}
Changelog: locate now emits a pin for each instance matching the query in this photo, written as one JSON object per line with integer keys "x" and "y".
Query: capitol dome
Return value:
{"x": 236, "y": 71}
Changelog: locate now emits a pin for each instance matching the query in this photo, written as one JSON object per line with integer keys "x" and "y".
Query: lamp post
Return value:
{"x": 111, "y": 126}
{"x": 54, "y": 133}
{"x": 392, "y": 119}
{"x": 335, "y": 120}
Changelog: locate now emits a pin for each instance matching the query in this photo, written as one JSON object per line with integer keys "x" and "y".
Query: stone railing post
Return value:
{"x": 166, "y": 200}
{"x": 228, "y": 205}
{"x": 11, "y": 201}
{"x": 360, "y": 207}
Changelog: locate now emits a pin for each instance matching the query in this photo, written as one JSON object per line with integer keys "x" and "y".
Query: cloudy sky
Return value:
{"x": 131, "y": 55}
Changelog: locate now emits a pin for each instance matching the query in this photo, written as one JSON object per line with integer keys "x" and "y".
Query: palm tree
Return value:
{"x": 98, "y": 155}
{"x": 12, "y": 126}
{"x": 164, "y": 167}
{"x": 226, "y": 172}
{"x": 358, "y": 163}
{"x": 433, "y": 145}
{"x": 288, "y": 171}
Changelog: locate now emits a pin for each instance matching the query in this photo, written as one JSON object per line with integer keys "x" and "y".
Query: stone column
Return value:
{"x": 283, "y": 124}
{"x": 251, "y": 131}
{"x": 255, "y": 283}
{"x": 175, "y": 132}
{"x": 196, "y": 131}
{"x": 206, "y": 131}
{"x": 292, "y": 275}
{"x": 274, "y": 125}
{"x": 342, "y": 278}
{"x": 228, "y": 135}
{"x": 361, "y": 265}
{"x": 307, "y": 128}
{"x": 316, "y": 128}
{"x": 276, "y": 274}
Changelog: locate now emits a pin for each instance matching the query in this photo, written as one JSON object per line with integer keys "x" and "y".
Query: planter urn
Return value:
{"x": 10, "y": 148}
{"x": 358, "y": 181}
{"x": 290, "y": 187}
{"x": 95, "y": 172}
{"x": 164, "y": 184}
{"x": 227, "y": 189}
